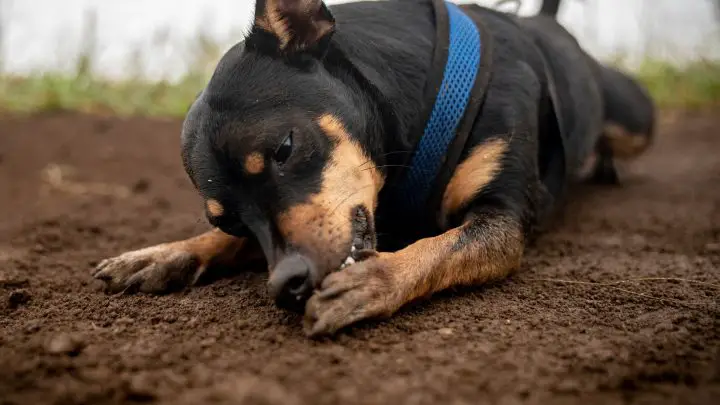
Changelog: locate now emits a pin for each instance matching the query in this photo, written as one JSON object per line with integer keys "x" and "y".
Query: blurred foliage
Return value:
{"x": 57, "y": 92}
{"x": 695, "y": 85}
{"x": 83, "y": 90}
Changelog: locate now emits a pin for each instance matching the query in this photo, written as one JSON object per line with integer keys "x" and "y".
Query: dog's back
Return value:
{"x": 571, "y": 115}
{"x": 623, "y": 127}
{"x": 578, "y": 94}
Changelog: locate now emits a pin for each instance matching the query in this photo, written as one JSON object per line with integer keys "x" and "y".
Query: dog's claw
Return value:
{"x": 98, "y": 268}
{"x": 151, "y": 270}
{"x": 360, "y": 292}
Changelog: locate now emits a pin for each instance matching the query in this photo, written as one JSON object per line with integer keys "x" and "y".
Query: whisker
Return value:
{"x": 392, "y": 165}
{"x": 348, "y": 197}
{"x": 398, "y": 165}
{"x": 397, "y": 152}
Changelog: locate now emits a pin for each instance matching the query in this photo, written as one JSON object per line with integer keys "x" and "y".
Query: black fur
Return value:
{"x": 547, "y": 98}
{"x": 627, "y": 103}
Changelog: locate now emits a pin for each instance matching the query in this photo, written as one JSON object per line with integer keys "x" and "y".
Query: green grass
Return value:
{"x": 55, "y": 92}
{"x": 695, "y": 86}
{"x": 82, "y": 91}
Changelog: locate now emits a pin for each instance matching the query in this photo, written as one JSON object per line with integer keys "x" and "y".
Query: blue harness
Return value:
{"x": 417, "y": 182}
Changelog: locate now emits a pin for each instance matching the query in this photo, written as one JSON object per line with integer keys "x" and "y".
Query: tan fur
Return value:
{"x": 434, "y": 264}
{"x": 588, "y": 166}
{"x": 322, "y": 226}
{"x": 472, "y": 175}
{"x": 157, "y": 268}
{"x": 262, "y": 22}
{"x": 625, "y": 144}
{"x": 213, "y": 246}
{"x": 214, "y": 208}
{"x": 254, "y": 163}
{"x": 274, "y": 23}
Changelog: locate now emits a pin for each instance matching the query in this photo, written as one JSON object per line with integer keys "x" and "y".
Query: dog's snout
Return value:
{"x": 291, "y": 283}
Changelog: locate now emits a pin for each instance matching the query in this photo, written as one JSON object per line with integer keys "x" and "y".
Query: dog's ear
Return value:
{"x": 296, "y": 25}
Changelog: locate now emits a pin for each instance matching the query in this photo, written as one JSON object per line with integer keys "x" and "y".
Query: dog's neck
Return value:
{"x": 387, "y": 67}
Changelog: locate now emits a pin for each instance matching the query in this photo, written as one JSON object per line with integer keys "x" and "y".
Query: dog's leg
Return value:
{"x": 604, "y": 171}
{"x": 174, "y": 265}
{"x": 617, "y": 142}
{"x": 488, "y": 246}
{"x": 488, "y": 209}
{"x": 629, "y": 123}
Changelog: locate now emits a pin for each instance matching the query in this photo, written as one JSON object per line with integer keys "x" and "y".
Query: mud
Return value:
{"x": 601, "y": 312}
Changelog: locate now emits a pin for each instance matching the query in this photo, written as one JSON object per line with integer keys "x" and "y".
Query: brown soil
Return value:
{"x": 75, "y": 189}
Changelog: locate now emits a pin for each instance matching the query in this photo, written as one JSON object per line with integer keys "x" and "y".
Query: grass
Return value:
{"x": 83, "y": 91}
{"x": 57, "y": 92}
{"x": 696, "y": 85}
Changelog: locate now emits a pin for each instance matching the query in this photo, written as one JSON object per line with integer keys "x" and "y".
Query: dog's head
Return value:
{"x": 276, "y": 145}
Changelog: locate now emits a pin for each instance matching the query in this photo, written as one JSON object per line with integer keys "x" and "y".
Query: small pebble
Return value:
{"x": 64, "y": 343}
{"x": 445, "y": 331}
{"x": 32, "y": 326}
{"x": 207, "y": 342}
{"x": 140, "y": 389}
{"x": 124, "y": 321}
{"x": 141, "y": 186}
{"x": 17, "y": 298}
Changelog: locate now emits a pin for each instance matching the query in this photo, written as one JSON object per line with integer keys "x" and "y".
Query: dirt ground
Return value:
{"x": 75, "y": 189}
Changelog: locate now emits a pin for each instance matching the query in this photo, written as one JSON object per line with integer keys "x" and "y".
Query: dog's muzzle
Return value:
{"x": 295, "y": 276}
{"x": 291, "y": 282}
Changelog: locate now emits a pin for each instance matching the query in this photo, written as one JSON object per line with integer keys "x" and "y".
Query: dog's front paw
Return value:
{"x": 154, "y": 269}
{"x": 362, "y": 291}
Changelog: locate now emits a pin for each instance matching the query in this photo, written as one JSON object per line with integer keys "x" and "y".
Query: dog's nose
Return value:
{"x": 290, "y": 283}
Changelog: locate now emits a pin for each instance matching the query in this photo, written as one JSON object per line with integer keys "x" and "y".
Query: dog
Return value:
{"x": 309, "y": 147}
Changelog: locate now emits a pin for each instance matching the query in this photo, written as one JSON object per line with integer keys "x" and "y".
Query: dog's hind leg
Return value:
{"x": 604, "y": 170}
{"x": 623, "y": 142}
{"x": 629, "y": 123}
{"x": 174, "y": 265}
{"x": 616, "y": 142}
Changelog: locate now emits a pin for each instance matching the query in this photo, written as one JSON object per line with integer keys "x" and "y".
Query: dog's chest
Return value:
{"x": 455, "y": 92}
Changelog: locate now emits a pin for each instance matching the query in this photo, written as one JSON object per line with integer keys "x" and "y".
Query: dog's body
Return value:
{"x": 295, "y": 142}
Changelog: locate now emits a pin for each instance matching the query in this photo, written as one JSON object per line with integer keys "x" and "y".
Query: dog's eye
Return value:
{"x": 282, "y": 153}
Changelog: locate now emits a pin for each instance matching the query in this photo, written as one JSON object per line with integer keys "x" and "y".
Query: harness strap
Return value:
{"x": 472, "y": 112}
{"x": 463, "y": 64}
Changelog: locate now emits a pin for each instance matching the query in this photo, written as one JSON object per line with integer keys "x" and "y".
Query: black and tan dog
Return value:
{"x": 300, "y": 141}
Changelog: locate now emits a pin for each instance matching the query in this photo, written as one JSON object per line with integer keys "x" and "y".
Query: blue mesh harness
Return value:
{"x": 438, "y": 148}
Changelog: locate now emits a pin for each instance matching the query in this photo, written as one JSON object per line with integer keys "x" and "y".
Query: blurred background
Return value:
{"x": 168, "y": 43}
